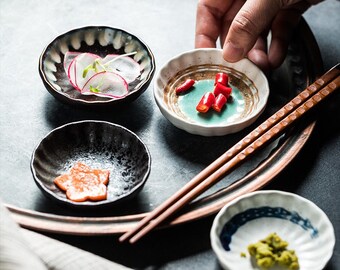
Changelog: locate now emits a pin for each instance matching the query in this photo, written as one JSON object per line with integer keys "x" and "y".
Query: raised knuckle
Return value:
{"x": 285, "y": 3}
{"x": 244, "y": 24}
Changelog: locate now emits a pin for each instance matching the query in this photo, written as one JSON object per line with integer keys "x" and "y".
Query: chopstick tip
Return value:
{"x": 126, "y": 238}
{"x": 123, "y": 238}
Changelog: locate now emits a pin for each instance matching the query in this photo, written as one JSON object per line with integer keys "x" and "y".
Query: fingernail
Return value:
{"x": 232, "y": 53}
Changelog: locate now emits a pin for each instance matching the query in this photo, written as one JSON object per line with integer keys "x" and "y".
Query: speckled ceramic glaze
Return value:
{"x": 98, "y": 144}
{"x": 100, "y": 40}
{"x": 252, "y": 217}
{"x": 249, "y": 96}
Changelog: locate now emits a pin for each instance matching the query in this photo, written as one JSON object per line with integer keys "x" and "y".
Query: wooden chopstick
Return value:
{"x": 256, "y": 139}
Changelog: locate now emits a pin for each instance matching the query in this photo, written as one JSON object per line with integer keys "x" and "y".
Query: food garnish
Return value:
{"x": 106, "y": 77}
{"x": 222, "y": 89}
{"x": 185, "y": 86}
{"x": 221, "y": 93}
{"x": 220, "y": 101}
{"x": 84, "y": 183}
{"x": 273, "y": 250}
{"x": 216, "y": 99}
{"x": 222, "y": 78}
{"x": 206, "y": 102}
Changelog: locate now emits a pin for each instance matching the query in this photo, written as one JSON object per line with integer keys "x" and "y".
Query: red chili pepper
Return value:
{"x": 221, "y": 89}
{"x": 185, "y": 86}
{"x": 220, "y": 101}
{"x": 206, "y": 102}
{"x": 221, "y": 78}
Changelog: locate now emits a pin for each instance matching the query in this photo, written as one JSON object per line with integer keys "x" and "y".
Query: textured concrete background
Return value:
{"x": 27, "y": 26}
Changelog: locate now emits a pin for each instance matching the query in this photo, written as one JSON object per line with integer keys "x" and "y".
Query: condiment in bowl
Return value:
{"x": 248, "y": 99}
{"x": 103, "y": 43}
{"x": 249, "y": 221}
{"x": 97, "y": 154}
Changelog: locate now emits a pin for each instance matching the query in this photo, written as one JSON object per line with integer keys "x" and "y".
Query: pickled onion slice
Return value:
{"x": 125, "y": 66}
{"x": 106, "y": 84}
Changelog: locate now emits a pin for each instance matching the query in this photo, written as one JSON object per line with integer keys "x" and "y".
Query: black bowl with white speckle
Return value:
{"x": 98, "y": 144}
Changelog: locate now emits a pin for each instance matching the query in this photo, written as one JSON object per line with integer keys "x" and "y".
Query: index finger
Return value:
{"x": 252, "y": 19}
{"x": 208, "y": 22}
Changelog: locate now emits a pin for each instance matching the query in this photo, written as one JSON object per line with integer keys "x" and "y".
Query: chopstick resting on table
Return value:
{"x": 259, "y": 137}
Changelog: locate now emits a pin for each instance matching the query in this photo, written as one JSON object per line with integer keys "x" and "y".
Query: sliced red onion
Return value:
{"x": 106, "y": 84}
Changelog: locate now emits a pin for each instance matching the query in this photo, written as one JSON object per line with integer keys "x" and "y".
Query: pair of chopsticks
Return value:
{"x": 259, "y": 137}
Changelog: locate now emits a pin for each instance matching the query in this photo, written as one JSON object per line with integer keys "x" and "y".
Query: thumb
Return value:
{"x": 252, "y": 19}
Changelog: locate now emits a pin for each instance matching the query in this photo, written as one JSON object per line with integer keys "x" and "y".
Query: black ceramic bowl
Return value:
{"x": 98, "y": 144}
{"x": 100, "y": 40}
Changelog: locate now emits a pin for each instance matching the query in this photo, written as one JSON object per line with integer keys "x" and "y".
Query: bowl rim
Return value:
{"x": 55, "y": 92}
{"x": 89, "y": 204}
{"x": 207, "y": 129}
{"x": 215, "y": 239}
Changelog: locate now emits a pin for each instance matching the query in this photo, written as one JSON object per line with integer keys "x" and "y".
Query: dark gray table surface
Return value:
{"x": 27, "y": 26}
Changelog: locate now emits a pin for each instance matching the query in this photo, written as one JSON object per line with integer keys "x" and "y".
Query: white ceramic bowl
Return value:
{"x": 250, "y": 93}
{"x": 252, "y": 217}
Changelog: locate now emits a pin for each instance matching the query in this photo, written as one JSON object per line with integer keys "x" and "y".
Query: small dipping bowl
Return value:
{"x": 99, "y": 40}
{"x": 252, "y": 217}
{"x": 100, "y": 145}
{"x": 250, "y": 91}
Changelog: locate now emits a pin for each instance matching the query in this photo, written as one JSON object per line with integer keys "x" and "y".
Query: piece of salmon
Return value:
{"x": 84, "y": 183}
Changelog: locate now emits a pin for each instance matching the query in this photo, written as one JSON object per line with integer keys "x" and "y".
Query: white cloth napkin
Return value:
{"x": 24, "y": 249}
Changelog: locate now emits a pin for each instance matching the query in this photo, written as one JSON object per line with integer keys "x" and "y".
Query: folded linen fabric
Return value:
{"x": 15, "y": 254}
{"x": 21, "y": 249}
{"x": 60, "y": 256}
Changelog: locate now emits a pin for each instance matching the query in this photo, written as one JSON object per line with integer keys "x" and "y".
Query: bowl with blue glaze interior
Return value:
{"x": 250, "y": 91}
{"x": 252, "y": 217}
{"x": 101, "y": 41}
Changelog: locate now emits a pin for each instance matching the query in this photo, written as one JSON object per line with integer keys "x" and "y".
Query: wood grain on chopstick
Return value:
{"x": 265, "y": 132}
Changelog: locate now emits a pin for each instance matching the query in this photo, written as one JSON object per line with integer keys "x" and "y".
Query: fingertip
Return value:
{"x": 232, "y": 52}
{"x": 247, "y": 27}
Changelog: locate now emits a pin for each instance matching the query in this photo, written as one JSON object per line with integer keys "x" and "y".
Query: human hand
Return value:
{"x": 243, "y": 27}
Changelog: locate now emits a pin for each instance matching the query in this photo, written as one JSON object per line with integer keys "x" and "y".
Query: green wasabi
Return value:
{"x": 273, "y": 250}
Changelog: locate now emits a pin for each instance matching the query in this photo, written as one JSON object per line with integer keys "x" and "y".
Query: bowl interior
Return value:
{"x": 249, "y": 95}
{"x": 99, "y": 40}
{"x": 99, "y": 145}
{"x": 253, "y": 217}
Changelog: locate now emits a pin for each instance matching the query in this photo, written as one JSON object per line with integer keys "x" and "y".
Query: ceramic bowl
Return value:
{"x": 252, "y": 217}
{"x": 249, "y": 96}
{"x": 98, "y": 144}
{"x": 100, "y": 40}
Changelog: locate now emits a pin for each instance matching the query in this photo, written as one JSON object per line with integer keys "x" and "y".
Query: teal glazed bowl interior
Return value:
{"x": 250, "y": 92}
{"x": 100, "y": 145}
{"x": 99, "y": 40}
